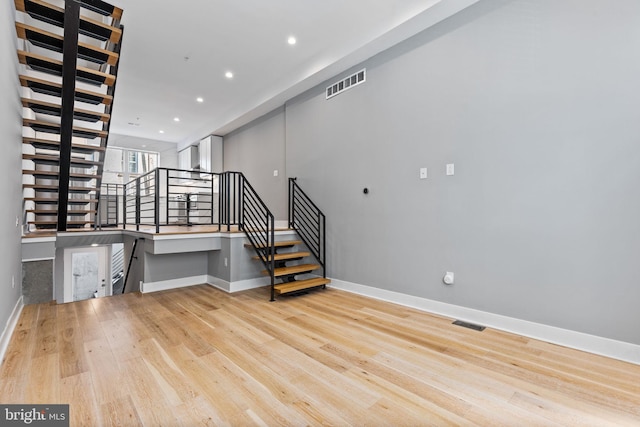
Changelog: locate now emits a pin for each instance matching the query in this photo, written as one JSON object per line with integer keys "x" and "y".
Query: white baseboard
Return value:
{"x": 5, "y": 338}
{"x": 240, "y": 285}
{"x": 163, "y": 285}
{"x": 590, "y": 343}
{"x": 230, "y": 287}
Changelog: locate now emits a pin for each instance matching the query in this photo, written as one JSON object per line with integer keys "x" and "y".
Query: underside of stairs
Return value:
{"x": 69, "y": 60}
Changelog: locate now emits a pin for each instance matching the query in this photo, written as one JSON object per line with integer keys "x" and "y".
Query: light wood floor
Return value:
{"x": 199, "y": 356}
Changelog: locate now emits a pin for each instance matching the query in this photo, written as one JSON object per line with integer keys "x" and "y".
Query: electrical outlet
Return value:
{"x": 275, "y": 172}
{"x": 423, "y": 173}
{"x": 448, "y": 278}
{"x": 450, "y": 169}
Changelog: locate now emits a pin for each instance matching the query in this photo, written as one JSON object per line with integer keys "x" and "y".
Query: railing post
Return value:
{"x": 211, "y": 202}
{"x": 124, "y": 206}
{"x": 228, "y": 202}
{"x": 138, "y": 204}
{"x": 156, "y": 207}
{"x": 290, "y": 204}
{"x": 167, "y": 198}
{"x": 272, "y": 252}
{"x": 324, "y": 246}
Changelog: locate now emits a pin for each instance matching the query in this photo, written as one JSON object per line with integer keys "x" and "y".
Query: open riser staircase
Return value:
{"x": 286, "y": 261}
{"x": 69, "y": 51}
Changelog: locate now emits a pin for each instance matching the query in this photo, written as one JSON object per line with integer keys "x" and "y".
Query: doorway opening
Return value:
{"x": 93, "y": 272}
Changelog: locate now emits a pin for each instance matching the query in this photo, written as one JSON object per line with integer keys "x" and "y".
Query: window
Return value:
{"x": 123, "y": 164}
{"x": 141, "y": 162}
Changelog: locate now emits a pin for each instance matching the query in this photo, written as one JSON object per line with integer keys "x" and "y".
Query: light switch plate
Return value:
{"x": 450, "y": 169}
{"x": 423, "y": 173}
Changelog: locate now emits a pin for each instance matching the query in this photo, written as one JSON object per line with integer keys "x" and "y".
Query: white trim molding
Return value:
{"x": 240, "y": 285}
{"x": 577, "y": 340}
{"x": 183, "y": 282}
{"x": 164, "y": 285}
{"x": 10, "y": 327}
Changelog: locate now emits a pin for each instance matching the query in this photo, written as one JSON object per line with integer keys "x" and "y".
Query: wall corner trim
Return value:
{"x": 607, "y": 347}
{"x": 10, "y": 327}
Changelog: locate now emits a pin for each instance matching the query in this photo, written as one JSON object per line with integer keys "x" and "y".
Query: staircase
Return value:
{"x": 69, "y": 68}
{"x": 289, "y": 274}
{"x": 308, "y": 222}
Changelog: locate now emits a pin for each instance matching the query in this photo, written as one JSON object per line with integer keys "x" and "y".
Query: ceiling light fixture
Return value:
{"x": 161, "y": 131}
{"x": 200, "y": 99}
{"x": 176, "y": 119}
{"x": 291, "y": 40}
{"x": 228, "y": 75}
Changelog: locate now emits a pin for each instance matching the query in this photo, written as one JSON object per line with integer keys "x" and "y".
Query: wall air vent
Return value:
{"x": 346, "y": 83}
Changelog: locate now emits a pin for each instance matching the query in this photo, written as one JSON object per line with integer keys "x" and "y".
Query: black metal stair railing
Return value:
{"x": 309, "y": 222}
{"x": 258, "y": 224}
{"x": 109, "y": 207}
{"x": 167, "y": 196}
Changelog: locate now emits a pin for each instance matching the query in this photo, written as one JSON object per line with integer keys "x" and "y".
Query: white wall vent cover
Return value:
{"x": 347, "y": 83}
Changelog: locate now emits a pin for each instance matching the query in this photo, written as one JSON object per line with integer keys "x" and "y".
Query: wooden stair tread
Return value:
{"x": 294, "y": 269}
{"x": 55, "y": 42}
{"x": 54, "y": 201}
{"x": 54, "y": 15}
{"x": 54, "y": 188}
{"x": 299, "y": 285}
{"x": 54, "y": 175}
{"x": 285, "y": 256}
{"x": 50, "y": 108}
{"x": 48, "y": 127}
{"x": 55, "y": 160}
{"x": 48, "y": 144}
{"x": 55, "y": 212}
{"x": 54, "y": 222}
{"x": 53, "y": 66}
{"x": 103, "y": 8}
{"x": 55, "y": 89}
{"x": 280, "y": 244}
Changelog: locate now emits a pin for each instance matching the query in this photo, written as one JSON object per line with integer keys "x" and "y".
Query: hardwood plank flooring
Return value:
{"x": 199, "y": 356}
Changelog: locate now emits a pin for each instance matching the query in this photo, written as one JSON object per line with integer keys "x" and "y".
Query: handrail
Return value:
{"x": 258, "y": 224}
{"x": 133, "y": 255}
{"x": 309, "y": 222}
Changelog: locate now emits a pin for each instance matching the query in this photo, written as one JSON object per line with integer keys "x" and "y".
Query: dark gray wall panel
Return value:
{"x": 37, "y": 281}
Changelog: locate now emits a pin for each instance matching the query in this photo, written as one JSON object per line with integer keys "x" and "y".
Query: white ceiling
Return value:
{"x": 174, "y": 52}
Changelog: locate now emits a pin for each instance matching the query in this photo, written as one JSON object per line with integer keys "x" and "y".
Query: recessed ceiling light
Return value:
{"x": 144, "y": 145}
{"x": 161, "y": 131}
{"x": 200, "y": 99}
{"x": 291, "y": 40}
{"x": 228, "y": 75}
{"x": 176, "y": 119}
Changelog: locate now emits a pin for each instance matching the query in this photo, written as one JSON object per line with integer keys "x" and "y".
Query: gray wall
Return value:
{"x": 257, "y": 151}
{"x": 10, "y": 165}
{"x": 536, "y": 104}
{"x": 174, "y": 266}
